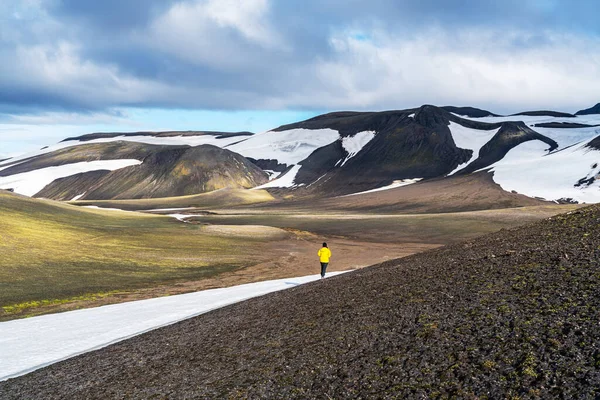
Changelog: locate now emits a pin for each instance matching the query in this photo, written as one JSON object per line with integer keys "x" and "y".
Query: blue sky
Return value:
{"x": 76, "y": 66}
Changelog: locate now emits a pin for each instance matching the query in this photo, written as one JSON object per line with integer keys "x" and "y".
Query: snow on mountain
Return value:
{"x": 571, "y": 136}
{"x": 287, "y": 147}
{"x": 30, "y": 183}
{"x": 529, "y": 170}
{"x": 287, "y": 180}
{"x": 32, "y": 343}
{"x": 189, "y": 140}
{"x": 395, "y": 184}
{"x": 354, "y": 144}
{"x": 531, "y": 120}
{"x": 471, "y": 139}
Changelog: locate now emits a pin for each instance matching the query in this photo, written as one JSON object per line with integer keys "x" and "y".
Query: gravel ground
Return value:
{"x": 513, "y": 314}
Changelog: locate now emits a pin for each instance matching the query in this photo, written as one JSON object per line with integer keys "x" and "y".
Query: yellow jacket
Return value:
{"x": 324, "y": 254}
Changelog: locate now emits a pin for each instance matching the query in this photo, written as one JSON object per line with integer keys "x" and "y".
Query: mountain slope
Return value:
{"x": 165, "y": 171}
{"x": 511, "y": 314}
{"x": 588, "y": 111}
{"x": 335, "y": 154}
{"x": 470, "y": 112}
{"x": 405, "y": 144}
{"x": 166, "y": 134}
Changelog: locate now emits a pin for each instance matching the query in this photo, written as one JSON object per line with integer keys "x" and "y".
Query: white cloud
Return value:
{"x": 216, "y": 33}
{"x": 468, "y": 68}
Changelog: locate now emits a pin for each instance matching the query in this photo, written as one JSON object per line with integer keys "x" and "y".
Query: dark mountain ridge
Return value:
{"x": 592, "y": 110}
{"x": 414, "y": 143}
{"x": 545, "y": 113}
{"x": 471, "y": 112}
{"x": 107, "y": 135}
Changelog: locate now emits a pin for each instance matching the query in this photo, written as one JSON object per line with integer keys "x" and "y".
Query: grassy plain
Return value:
{"x": 52, "y": 252}
{"x": 219, "y": 198}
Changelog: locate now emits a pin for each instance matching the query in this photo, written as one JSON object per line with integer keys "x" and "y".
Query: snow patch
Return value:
{"x": 30, "y": 183}
{"x": 287, "y": 147}
{"x": 470, "y": 139}
{"x": 32, "y": 343}
{"x": 529, "y": 170}
{"x": 395, "y": 184}
{"x": 354, "y": 144}
{"x": 180, "y": 217}
{"x": 78, "y": 196}
{"x": 286, "y": 180}
{"x": 105, "y": 208}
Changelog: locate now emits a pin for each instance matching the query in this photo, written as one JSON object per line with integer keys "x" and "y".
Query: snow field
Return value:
{"x": 529, "y": 170}
{"x": 32, "y": 343}
{"x": 29, "y": 183}
{"x": 287, "y": 147}
{"x": 286, "y": 180}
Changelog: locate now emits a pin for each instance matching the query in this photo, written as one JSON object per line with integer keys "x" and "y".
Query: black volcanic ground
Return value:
{"x": 509, "y": 315}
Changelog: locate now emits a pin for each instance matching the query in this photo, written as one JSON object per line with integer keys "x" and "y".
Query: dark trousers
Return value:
{"x": 323, "y": 268}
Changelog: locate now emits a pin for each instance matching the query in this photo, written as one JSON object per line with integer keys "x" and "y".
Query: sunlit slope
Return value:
{"x": 219, "y": 198}
{"x": 56, "y": 251}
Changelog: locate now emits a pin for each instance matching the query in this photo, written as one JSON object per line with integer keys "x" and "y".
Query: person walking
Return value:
{"x": 324, "y": 255}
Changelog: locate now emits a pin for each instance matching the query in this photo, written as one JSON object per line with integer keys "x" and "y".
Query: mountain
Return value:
{"x": 538, "y": 153}
{"x": 374, "y": 149}
{"x": 154, "y": 171}
{"x": 545, "y": 113}
{"x": 510, "y": 314}
{"x": 591, "y": 110}
{"x": 165, "y": 134}
{"x": 469, "y": 112}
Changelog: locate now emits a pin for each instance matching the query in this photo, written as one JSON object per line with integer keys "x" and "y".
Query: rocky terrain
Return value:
{"x": 509, "y": 315}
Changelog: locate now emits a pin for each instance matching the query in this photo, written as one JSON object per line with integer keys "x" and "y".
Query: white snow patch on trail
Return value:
{"x": 395, "y": 184}
{"x": 354, "y": 144}
{"x": 29, "y": 183}
{"x": 32, "y": 343}
{"x": 470, "y": 139}
{"x": 287, "y": 147}
{"x": 286, "y": 180}
{"x": 529, "y": 170}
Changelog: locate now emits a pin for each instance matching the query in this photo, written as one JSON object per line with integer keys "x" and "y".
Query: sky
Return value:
{"x": 70, "y": 67}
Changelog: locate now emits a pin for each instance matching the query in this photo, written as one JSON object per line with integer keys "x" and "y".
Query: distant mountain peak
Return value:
{"x": 591, "y": 110}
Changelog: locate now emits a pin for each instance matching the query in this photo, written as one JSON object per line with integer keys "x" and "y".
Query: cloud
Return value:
{"x": 215, "y": 33}
{"x": 470, "y": 67}
{"x": 84, "y": 57}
